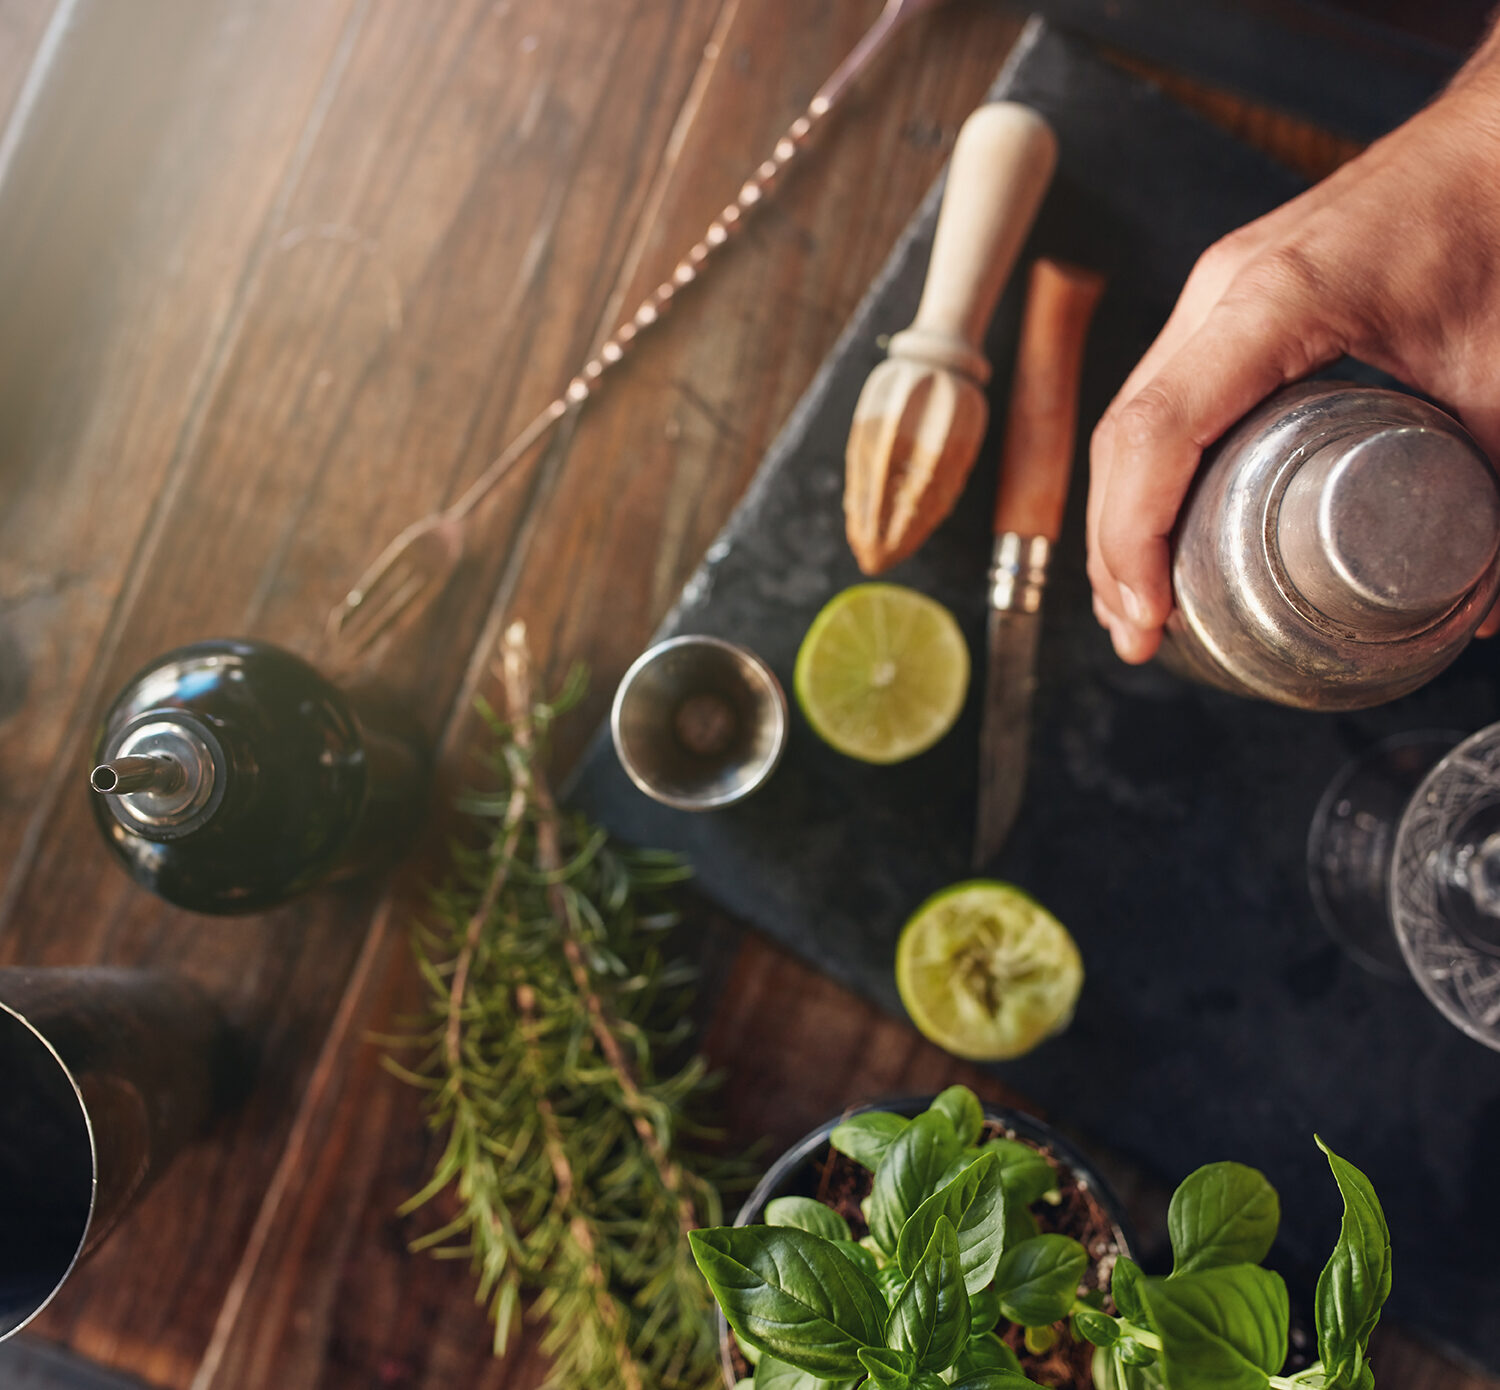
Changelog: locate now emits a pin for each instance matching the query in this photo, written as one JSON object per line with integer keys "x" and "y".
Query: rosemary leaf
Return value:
{"x": 571, "y": 1162}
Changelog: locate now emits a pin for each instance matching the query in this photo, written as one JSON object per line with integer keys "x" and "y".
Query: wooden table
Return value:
{"x": 278, "y": 276}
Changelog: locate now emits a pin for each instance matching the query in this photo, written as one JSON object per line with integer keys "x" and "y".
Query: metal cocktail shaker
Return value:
{"x": 104, "y": 1075}
{"x": 1338, "y": 549}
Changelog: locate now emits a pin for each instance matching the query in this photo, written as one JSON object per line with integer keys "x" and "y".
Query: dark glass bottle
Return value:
{"x": 231, "y": 776}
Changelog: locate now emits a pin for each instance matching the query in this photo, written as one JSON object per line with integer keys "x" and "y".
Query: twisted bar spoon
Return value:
{"x": 418, "y": 563}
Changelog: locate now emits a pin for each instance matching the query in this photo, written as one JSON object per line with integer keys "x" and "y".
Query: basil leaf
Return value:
{"x": 1125, "y": 1287}
{"x": 964, "y": 1112}
{"x": 1221, "y": 1329}
{"x": 1134, "y": 1353}
{"x": 908, "y": 1174}
{"x": 890, "y": 1281}
{"x": 772, "y": 1374}
{"x": 889, "y": 1369}
{"x": 859, "y": 1256}
{"x": 984, "y": 1309}
{"x": 995, "y": 1380}
{"x": 1100, "y": 1329}
{"x": 974, "y": 1203}
{"x": 793, "y": 1295}
{"x": 930, "y": 1317}
{"x": 986, "y": 1353}
{"x": 1038, "y": 1279}
{"x": 1020, "y": 1224}
{"x": 1224, "y": 1214}
{"x": 888, "y": 1361}
{"x": 1357, "y": 1278}
{"x": 751, "y": 1354}
{"x": 865, "y": 1138}
{"x": 807, "y": 1215}
{"x": 1024, "y": 1173}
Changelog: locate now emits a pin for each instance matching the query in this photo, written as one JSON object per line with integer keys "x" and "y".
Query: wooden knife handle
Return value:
{"x": 1001, "y": 166}
{"x": 1043, "y": 421}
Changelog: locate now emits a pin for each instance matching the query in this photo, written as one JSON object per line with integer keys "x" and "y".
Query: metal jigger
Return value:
{"x": 104, "y": 1075}
{"x": 699, "y": 722}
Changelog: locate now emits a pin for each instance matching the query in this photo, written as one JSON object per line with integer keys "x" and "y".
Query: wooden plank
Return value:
{"x": 148, "y": 168}
{"x": 413, "y": 247}
{"x": 28, "y": 1365}
{"x": 304, "y": 1313}
{"x": 1398, "y": 1360}
{"x": 23, "y": 27}
{"x": 301, "y": 281}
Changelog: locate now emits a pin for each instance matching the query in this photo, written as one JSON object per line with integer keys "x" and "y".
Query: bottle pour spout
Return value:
{"x": 123, "y": 776}
{"x": 163, "y": 774}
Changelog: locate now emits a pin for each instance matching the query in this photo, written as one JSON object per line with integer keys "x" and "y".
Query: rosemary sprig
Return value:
{"x": 570, "y": 1162}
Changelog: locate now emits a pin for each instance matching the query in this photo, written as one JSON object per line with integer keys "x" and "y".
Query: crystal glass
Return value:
{"x": 1404, "y": 867}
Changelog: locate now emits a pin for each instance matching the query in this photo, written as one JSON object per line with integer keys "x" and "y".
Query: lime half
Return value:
{"x": 882, "y": 672}
{"x": 986, "y": 971}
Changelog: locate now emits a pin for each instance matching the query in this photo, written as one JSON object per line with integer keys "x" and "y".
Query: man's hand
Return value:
{"x": 1395, "y": 259}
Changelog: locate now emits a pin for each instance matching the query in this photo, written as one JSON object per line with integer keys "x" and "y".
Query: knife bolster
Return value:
{"x": 1018, "y": 572}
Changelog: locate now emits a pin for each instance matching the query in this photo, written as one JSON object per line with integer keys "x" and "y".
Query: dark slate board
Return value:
{"x": 1335, "y": 63}
{"x": 1164, "y": 823}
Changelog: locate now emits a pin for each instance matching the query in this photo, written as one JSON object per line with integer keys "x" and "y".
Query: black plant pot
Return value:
{"x": 793, "y": 1174}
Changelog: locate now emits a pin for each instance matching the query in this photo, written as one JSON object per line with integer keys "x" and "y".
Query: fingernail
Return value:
{"x": 1101, "y": 613}
{"x": 1135, "y": 610}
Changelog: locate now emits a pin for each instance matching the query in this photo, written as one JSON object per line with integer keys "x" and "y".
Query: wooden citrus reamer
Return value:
{"x": 922, "y": 414}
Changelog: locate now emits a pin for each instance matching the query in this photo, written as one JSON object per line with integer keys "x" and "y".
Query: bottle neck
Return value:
{"x": 164, "y": 775}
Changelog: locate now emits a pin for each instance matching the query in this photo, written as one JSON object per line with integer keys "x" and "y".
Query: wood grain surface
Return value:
{"x": 278, "y": 276}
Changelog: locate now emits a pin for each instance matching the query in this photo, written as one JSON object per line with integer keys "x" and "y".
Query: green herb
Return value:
{"x": 939, "y": 1212}
{"x": 970, "y": 1204}
{"x": 566, "y": 1155}
{"x": 1222, "y": 1215}
{"x": 1038, "y": 1280}
{"x": 807, "y": 1215}
{"x": 865, "y": 1138}
{"x": 1219, "y": 1321}
{"x": 954, "y": 1252}
{"x": 930, "y": 1317}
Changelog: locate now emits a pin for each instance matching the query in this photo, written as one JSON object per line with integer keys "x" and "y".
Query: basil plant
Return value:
{"x": 953, "y": 1250}
{"x": 1219, "y": 1320}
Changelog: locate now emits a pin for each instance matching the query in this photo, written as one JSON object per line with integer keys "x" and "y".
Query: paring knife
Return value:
{"x": 1034, "y": 467}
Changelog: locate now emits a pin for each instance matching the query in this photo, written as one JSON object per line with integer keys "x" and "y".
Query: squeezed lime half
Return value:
{"x": 986, "y": 972}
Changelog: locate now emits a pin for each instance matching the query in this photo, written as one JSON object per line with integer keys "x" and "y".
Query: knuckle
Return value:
{"x": 1226, "y": 253}
{"x": 1290, "y": 297}
{"x": 1288, "y": 276}
{"x": 1224, "y": 259}
{"x": 1153, "y": 413}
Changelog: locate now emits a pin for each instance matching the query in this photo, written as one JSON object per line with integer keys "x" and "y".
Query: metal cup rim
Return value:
{"x": 769, "y": 765}
{"x": 88, "y": 1125}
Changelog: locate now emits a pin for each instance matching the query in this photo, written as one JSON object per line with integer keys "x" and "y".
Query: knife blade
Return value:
{"x": 1036, "y": 461}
